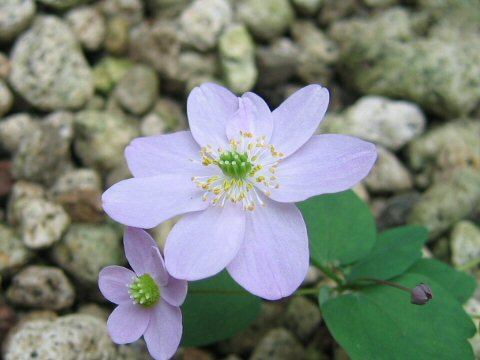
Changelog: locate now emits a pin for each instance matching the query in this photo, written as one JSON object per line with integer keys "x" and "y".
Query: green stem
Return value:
{"x": 384, "y": 282}
{"x": 330, "y": 273}
{"x": 471, "y": 264}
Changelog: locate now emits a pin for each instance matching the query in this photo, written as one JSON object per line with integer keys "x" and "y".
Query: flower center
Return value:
{"x": 235, "y": 164}
{"x": 145, "y": 291}
{"x": 248, "y": 171}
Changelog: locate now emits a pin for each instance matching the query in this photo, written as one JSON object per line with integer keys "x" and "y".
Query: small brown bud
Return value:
{"x": 421, "y": 294}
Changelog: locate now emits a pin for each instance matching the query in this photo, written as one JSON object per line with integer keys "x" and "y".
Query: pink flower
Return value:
{"x": 236, "y": 176}
{"x": 148, "y": 297}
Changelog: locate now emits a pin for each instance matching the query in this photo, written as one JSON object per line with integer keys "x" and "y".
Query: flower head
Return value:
{"x": 235, "y": 176}
{"x": 148, "y": 297}
{"x": 421, "y": 294}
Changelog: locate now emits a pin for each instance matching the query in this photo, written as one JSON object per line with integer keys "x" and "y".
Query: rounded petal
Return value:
{"x": 128, "y": 322}
{"x": 143, "y": 255}
{"x": 164, "y": 331}
{"x": 147, "y": 202}
{"x": 273, "y": 260}
{"x": 297, "y": 118}
{"x": 175, "y": 291}
{"x": 163, "y": 154}
{"x": 209, "y": 106}
{"x": 253, "y": 115}
{"x": 201, "y": 244}
{"x": 326, "y": 164}
{"x": 113, "y": 282}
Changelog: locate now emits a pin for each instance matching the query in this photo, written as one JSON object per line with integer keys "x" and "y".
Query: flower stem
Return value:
{"x": 388, "y": 283}
{"x": 330, "y": 273}
{"x": 471, "y": 264}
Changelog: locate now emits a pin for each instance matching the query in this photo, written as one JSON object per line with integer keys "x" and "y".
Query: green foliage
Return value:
{"x": 216, "y": 309}
{"x": 340, "y": 226}
{"x": 394, "y": 252}
{"x": 379, "y": 322}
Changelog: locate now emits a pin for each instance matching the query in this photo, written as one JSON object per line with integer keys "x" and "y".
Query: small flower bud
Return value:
{"x": 421, "y": 294}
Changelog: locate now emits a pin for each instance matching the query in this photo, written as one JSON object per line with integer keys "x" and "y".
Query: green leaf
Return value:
{"x": 340, "y": 226}
{"x": 459, "y": 284}
{"x": 394, "y": 252}
{"x": 379, "y": 322}
{"x": 216, "y": 309}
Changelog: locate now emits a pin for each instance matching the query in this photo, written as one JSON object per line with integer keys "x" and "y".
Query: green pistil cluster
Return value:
{"x": 235, "y": 165}
{"x": 145, "y": 291}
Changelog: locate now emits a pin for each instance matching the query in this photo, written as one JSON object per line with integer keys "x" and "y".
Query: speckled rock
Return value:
{"x": 396, "y": 209}
{"x": 130, "y": 10}
{"x": 137, "y": 90}
{"x": 41, "y": 287}
{"x": 13, "y": 253}
{"x": 307, "y": 7}
{"x": 116, "y": 37}
{"x": 445, "y": 150}
{"x": 79, "y": 192}
{"x": 334, "y": 10}
{"x": 71, "y": 337}
{"x": 61, "y": 4}
{"x": 237, "y": 57}
{"x": 380, "y": 120}
{"x": 447, "y": 202}
{"x": 88, "y": 25}
{"x": 388, "y": 174}
{"x": 74, "y": 252}
{"x": 22, "y": 192}
{"x": 48, "y": 68}
{"x": 465, "y": 242}
{"x": 266, "y": 19}
{"x": 317, "y": 54}
{"x": 276, "y": 62}
{"x": 15, "y": 16}
{"x": 6, "y": 98}
{"x": 42, "y": 223}
{"x": 380, "y": 3}
{"x": 44, "y": 153}
{"x": 278, "y": 344}
{"x": 5, "y": 66}
{"x": 192, "y": 65}
{"x": 14, "y": 128}
{"x": 166, "y": 115}
{"x": 302, "y": 318}
{"x": 101, "y": 138}
{"x": 202, "y": 22}
{"x": 109, "y": 71}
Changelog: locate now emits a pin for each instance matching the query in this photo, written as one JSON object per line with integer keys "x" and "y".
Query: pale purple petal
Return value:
{"x": 175, "y": 291}
{"x": 209, "y": 106}
{"x": 274, "y": 257}
{"x": 164, "y": 331}
{"x": 164, "y": 154}
{"x": 147, "y": 202}
{"x": 201, "y": 244}
{"x": 143, "y": 255}
{"x": 113, "y": 282}
{"x": 253, "y": 116}
{"x": 297, "y": 118}
{"x": 326, "y": 164}
{"x": 128, "y": 322}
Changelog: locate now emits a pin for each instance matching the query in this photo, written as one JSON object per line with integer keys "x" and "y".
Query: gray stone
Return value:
{"x": 202, "y": 22}
{"x": 88, "y": 25}
{"x": 94, "y": 310}
{"x": 61, "y": 4}
{"x": 308, "y": 7}
{"x": 276, "y": 62}
{"x": 15, "y": 16}
{"x": 465, "y": 242}
{"x": 237, "y": 57}
{"x": 137, "y": 90}
{"x": 44, "y": 153}
{"x": 42, "y": 223}
{"x": 334, "y": 10}
{"x": 6, "y": 98}
{"x": 302, "y": 318}
{"x": 74, "y": 252}
{"x": 101, "y": 138}
{"x": 278, "y": 344}
{"x": 388, "y": 174}
{"x": 5, "y": 66}
{"x": 71, "y": 337}
{"x": 386, "y": 122}
{"x": 445, "y": 150}
{"x": 13, "y": 253}
{"x": 266, "y": 19}
{"x": 380, "y": 3}
{"x": 166, "y": 115}
{"x": 317, "y": 54}
{"x": 48, "y": 68}
{"x": 117, "y": 35}
{"x": 193, "y": 65}
{"x": 396, "y": 210}
{"x": 14, "y": 128}
{"x": 167, "y": 8}
{"x": 41, "y": 287}
{"x": 130, "y": 10}
{"x": 109, "y": 71}
{"x": 447, "y": 202}
{"x": 22, "y": 192}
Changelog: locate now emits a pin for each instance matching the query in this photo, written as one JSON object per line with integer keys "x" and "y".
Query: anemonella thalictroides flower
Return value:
{"x": 148, "y": 298}
{"x": 236, "y": 176}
